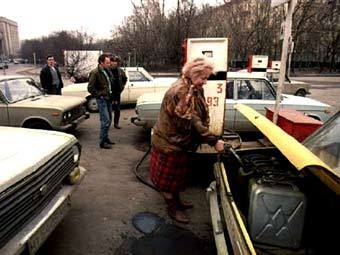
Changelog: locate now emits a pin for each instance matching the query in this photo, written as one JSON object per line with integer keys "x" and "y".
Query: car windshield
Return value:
{"x": 325, "y": 143}
{"x": 19, "y": 89}
{"x": 137, "y": 76}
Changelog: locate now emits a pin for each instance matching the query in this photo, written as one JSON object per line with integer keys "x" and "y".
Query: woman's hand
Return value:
{"x": 219, "y": 146}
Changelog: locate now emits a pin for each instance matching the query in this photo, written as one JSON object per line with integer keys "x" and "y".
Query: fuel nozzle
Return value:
{"x": 230, "y": 153}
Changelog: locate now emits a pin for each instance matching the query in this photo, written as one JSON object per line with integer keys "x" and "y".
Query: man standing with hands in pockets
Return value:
{"x": 100, "y": 88}
{"x": 50, "y": 77}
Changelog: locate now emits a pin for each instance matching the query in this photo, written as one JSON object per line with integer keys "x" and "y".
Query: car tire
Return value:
{"x": 301, "y": 93}
{"x": 92, "y": 104}
{"x": 38, "y": 124}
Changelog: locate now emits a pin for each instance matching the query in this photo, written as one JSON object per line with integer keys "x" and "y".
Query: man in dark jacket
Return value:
{"x": 118, "y": 82}
{"x": 99, "y": 87}
{"x": 50, "y": 77}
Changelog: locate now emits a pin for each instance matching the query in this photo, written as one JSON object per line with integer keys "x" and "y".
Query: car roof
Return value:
{"x": 252, "y": 75}
{"x": 130, "y": 68}
{"x": 270, "y": 70}
{"x": 11, "y": 77}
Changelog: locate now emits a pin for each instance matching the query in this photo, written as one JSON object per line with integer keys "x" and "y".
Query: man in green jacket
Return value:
{"x": 100, "y": 88}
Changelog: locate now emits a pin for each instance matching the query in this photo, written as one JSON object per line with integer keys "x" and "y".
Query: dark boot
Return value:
{"x": 173, "y": 212}
{"x": 182, "y": 204}
{"x": 116, "y": 118}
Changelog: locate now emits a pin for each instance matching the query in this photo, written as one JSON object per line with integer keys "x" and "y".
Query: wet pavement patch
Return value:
{"x": 160, "y": 238}
{"x": 147, "y": 222}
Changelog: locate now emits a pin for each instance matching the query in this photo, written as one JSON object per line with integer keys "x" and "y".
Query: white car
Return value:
{"x": 39, "y": 170}
{"x": 23, "y": 104}
{"x": 139, "y": 82}
{"x": 293, "y": 87}
{"x": 252, "y": 89}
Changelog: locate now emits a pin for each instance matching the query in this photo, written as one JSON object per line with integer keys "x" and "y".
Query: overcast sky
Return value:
{"x": 38, "y": 18}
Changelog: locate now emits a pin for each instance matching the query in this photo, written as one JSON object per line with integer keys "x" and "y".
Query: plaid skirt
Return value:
{"x": 168, "y": 171}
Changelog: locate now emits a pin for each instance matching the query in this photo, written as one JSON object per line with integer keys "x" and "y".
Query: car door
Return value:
{"x": 137, "y": 85}
{"x": 4, "y": 113}
{"x": 230, "y": 112}
{"x": 255, "y": 93}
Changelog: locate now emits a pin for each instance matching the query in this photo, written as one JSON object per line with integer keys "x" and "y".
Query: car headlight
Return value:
{"x": 76, "y": 152}
{"x": 65, "y": 116}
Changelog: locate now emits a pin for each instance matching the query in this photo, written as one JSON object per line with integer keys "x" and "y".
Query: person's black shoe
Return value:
{"x": 108, "y": 141}
{"x": 117, "y": 126}
{"x": 105, "y": 146}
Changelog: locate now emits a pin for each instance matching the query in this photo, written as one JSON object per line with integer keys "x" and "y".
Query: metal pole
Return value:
{"x": 291, "y": 49}
{"x": 34, "y": 59}
{"x": 129, "y": 59}
{"x": 3, "y": 64}
{"x": 287, "y": 36}
{"x": 135, "y": 56}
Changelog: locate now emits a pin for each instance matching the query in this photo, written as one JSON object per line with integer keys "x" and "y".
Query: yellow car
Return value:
{"x": 276, "y": 195}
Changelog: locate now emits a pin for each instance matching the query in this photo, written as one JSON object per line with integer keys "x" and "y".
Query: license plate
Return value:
{"x": 47, "y": 228}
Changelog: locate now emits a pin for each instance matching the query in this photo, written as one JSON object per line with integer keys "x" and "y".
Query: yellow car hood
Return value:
{"x": 294, "y": 151}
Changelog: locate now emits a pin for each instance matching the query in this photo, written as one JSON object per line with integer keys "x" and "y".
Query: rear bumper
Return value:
{"x": 33, "y": 235}
{"x": 136, "y": 121}
{"x": 74, "y": 123}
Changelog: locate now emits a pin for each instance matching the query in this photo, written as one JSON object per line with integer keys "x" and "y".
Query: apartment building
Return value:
{"x": 9, "y": 38}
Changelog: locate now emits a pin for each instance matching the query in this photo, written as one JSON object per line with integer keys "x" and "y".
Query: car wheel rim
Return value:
{"x": 301, "y": 93}
{"x": 92, "y": 105}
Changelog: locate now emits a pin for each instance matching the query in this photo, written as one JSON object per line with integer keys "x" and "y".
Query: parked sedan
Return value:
{"x": 39, "y": 172}
{"x": 252, "y": 89}
{"x": 3, "y": 65}
{"x": 293, "y": 87}
{"x": 139, "y": 82}
{"x": 23, "y": 104}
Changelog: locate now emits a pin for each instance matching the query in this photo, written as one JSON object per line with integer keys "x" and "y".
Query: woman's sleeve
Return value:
{"x": 203, "y": 130}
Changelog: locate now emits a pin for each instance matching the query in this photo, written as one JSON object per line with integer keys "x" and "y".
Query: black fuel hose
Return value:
{"x": 136, "y": 169}
{"x": 139, "y": 177}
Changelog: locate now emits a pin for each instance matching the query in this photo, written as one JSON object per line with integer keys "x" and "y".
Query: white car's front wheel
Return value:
{"x": 92, "y": 104}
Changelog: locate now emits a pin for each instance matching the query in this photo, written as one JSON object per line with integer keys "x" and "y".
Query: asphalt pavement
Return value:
{"x": 110, "y": 195}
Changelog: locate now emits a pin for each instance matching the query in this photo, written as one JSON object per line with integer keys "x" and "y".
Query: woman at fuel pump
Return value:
{"x": 183, "y": 124}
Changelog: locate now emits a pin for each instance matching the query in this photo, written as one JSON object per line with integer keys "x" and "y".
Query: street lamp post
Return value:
{"x": 129, "y": 59}
{"x": 3, "y": 63}
{"x": 134, "y": 56}
{"x": 34, "y": 59}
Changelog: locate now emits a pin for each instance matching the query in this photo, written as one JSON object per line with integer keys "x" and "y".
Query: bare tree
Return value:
{"x": 55, "y": 44}
{"x": 253, "y": 27}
